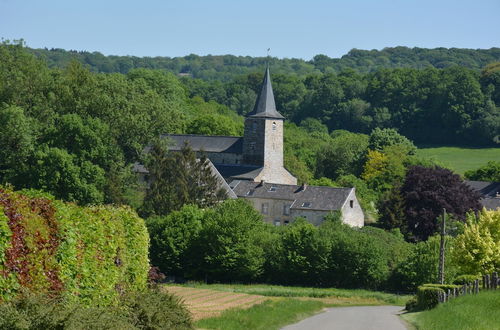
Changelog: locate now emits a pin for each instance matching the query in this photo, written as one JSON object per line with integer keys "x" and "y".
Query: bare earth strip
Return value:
{"x": 205, "y": 303}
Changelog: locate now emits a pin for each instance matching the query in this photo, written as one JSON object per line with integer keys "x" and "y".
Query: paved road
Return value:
{"x": 355, "y": 318}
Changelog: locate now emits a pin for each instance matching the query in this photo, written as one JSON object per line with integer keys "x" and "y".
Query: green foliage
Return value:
{"x": 230, "y": 244}
{"x": 421, "y": 264}
{"x": 342, "y": 156}
{"x": 172, "y": 238}
{"x": 428, "y": 297}
{"x": 177, "y": 179}
{"x": 300, "y": 256}
{"x": 477, "y": 249}
{"x": 488, "y": 172}
{"x": 90, "y": 255}
{"x": 465, "y": 279}
{"x": 141, "y": 310}
{"x": 381, "y": 138}
{"x": 16, "y": 142}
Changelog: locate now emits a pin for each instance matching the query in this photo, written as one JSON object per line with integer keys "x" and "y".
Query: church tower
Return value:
{"x": 263, "y": 137}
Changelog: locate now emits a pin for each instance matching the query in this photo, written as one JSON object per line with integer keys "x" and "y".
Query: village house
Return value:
{"x": 489, "y": 192}
{"x": 252, "y": 167}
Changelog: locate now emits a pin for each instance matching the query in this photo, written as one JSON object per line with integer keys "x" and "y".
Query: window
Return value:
{"x": 273, "y": 188}
{"x": 287, "y": 222}
{"x": 277, "y": 222}
{"x": 251, "y": 146}
{"x": 286, "y": 209}
{"x": 274, "y": 126}
{"x": 351, "y": 203}
{"x": 265, "y": 208}
{"x": 250, "y": 192}
{"x": 306, "y": 204}
{"x": 254, "y": 127}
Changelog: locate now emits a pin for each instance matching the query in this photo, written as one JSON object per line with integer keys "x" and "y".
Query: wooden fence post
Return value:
{"x": 487, "y": 281}
{"x": 495, "y": 280}
{"x": 476, "y": 286}
{"x": 484, "y": 282}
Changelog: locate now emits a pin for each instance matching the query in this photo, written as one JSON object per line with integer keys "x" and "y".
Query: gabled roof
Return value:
{"x": 311, "y": 198}
{"x": 489, "y": 191}
{"x": 265, "y": 107}
{"x": 228, "y": 144}
{"x": 238, "y": 171}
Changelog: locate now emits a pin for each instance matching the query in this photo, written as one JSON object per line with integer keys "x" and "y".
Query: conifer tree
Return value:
{"x": 177, "y": 179}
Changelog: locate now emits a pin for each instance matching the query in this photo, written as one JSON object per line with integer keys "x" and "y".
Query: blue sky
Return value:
{"x": 290, "y": 28}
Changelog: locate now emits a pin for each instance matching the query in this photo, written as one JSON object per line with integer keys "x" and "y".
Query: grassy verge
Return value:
{"x": 357, "y": 296}
{"x": 272, "y": 314}
{"x": 461, "y": 159}
{"x": 481, "y": 311}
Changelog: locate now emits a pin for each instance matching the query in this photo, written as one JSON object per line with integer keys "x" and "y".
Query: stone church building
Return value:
{"x": 251, "y": 167}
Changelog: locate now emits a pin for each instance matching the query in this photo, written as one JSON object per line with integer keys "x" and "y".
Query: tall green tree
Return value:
{"x": 177, "y": 179}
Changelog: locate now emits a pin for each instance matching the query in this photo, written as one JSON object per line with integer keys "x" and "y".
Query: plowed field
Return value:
{"x": 205, "y": 303}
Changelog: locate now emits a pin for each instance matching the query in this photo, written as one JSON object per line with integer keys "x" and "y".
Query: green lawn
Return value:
{"x": 481, "y": 311}
{"x": 461, "y": 159}
{"x": 357, "y": 296}
{"x": 272, "y": 314}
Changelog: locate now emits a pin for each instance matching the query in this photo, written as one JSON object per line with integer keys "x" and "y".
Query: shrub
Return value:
{"x": 90, "y": 254}
{"x": 139, "y": 310}
{"x": 466, "y": 279}
{"x": 230, "y": 246}
{"x": 428, "y": 294}
{"x": 428, "y": 297}
{"x": 172, "y": 237}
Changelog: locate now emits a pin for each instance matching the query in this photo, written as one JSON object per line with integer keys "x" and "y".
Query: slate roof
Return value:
{"x": 320, "y": 198}
{"x": 228, "y": 144}
{"x": 265, "y": 107}
{"x": 490, "y": 193}
{"x": 236, "y": 171}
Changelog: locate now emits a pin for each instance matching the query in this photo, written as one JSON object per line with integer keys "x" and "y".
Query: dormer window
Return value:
{"x": 250, "y": 192}
{"x": 273, "y": 188}
{"x": 306, "y": 204}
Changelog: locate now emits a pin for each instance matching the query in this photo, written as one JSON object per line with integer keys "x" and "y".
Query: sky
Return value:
{"x": 292, "y": 29}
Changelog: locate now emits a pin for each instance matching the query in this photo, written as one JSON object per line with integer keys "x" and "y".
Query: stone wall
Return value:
{"x": 352, "y": 213}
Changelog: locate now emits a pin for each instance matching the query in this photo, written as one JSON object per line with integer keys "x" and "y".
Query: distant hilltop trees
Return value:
{"x": 226, "y": 67}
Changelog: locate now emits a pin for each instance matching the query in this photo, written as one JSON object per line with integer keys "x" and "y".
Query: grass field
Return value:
{"x": 481, "y": 312}
{"x": 460, "y": 159}
{"x": 260, "y": 306}
{"x": 343, "y": 296}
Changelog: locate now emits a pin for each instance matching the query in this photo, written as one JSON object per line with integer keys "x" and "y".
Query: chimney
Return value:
{"x": 303, "y": 187}
{"x": 261, "y": 183}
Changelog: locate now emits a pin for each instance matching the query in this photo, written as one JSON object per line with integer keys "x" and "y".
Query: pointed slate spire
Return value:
{"x": 265, "y": 106}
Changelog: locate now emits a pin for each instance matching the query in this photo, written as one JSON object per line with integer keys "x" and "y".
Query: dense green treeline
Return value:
{"x": 455, "y": 105}
{"x": 226, "y": 67}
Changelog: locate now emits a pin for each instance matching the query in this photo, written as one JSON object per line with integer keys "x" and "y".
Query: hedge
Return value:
{"x": 428, "y": 294}
{"x": 89, "y": 254}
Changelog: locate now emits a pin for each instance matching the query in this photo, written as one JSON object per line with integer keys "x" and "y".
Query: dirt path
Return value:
{"x": 203, "y": 303}
{"x": 355, "y": 318}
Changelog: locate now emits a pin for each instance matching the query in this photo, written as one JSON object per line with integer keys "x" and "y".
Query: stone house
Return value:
{"x": 252, "y": 167}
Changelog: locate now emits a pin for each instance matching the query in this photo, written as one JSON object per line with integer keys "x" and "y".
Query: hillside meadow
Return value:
{"x": 460, "y": 159}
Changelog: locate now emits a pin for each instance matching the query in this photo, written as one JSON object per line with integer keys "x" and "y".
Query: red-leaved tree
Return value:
{"x": 426, "y": 191}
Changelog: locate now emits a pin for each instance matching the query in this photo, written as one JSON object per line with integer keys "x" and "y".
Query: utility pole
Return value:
{"x": 441, "y": 248}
